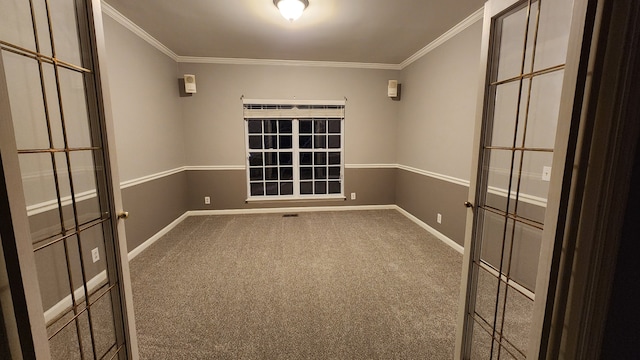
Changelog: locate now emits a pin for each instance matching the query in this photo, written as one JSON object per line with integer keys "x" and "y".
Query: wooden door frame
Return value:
{"x": 109, "y": 143}
{"x": 467, "y": 283}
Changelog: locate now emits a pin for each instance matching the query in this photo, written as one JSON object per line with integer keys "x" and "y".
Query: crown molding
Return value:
{"x": 308, "y": 63}
{"x": 470, "y": 20}
{"x": 124, "y": 21}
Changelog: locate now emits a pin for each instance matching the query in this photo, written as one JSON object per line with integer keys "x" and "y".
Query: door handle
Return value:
{"x": 124, "y": 215}
{"x": 468, "y": 204}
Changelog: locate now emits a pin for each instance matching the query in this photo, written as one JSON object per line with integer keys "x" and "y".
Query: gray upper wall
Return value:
{"x": 145, "y": 102}
{"x": 214, "y": 124}
{"x": 431, "y": 128}
{"x": 438, "y": 108}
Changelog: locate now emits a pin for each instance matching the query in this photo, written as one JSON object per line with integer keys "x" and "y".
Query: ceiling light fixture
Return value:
{"x": 291, "y": 9}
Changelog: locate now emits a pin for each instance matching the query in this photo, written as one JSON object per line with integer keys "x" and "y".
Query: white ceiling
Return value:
{"x": 363, "y": 31}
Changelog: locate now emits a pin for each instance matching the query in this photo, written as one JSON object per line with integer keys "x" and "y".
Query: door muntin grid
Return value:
{"x": 48, "y": 61}
{"x": 522, "y": 99}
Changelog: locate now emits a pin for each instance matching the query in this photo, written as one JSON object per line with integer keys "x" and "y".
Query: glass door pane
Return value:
{"x": 516, "y": 151}
{"x": 48, "y": 65}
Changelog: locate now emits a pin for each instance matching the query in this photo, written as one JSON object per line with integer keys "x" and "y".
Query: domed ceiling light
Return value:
{"x": 291, "y": 9}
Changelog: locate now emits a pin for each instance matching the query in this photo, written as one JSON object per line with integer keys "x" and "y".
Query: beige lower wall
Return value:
{"x": 422, "y": 196}
{"x": 425, "y": 197}
{"x": 153, "y": 205}
{"x": 228, "y": 190}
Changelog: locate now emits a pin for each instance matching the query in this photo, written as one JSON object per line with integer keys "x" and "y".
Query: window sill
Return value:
{"x": 296, "y": 198}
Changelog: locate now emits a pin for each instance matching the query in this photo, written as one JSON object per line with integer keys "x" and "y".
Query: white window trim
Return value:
{"x": 295, "y": 148}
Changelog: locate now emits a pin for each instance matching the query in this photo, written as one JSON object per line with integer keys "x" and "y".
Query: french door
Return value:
{"x": 521, "y": 137}
{"x": 62, "y": 240}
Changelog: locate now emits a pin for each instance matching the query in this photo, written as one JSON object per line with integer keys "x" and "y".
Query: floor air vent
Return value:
{"x": 290, "y": 215}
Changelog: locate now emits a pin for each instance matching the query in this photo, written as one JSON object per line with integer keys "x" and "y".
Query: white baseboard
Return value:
{"x": 140, "y": 248}
{"x": 457, "y": 247}
{"x": 289, "y": 209}
{"x": 66, "y": 302}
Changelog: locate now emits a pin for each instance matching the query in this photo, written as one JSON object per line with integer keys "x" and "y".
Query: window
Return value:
{"x": 294, "y": 149}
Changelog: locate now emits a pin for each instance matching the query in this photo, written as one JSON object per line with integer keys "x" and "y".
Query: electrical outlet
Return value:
{"x": 95, "y": 255}
{"x": 353, "y": 196}
{"x": 439, "y": 219}
{"x": 207, "y": 200}
{"x": 546, "y": 173}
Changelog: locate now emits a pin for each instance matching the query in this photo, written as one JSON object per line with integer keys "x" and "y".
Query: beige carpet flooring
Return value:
{"x": 326, "y": 285}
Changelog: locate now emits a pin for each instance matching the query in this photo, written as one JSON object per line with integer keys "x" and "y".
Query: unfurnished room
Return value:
{"x": 319, "y": 179}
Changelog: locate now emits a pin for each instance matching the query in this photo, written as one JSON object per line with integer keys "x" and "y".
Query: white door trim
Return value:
{"x": 110, "y": 146}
